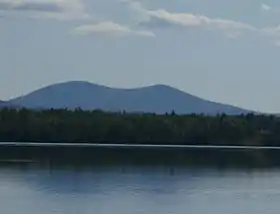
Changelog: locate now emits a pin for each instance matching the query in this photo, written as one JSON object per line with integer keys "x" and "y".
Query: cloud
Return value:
{"x": 192, "y": 20}
{"x": 265, "y": 7}
{"x": 161, "y": 18}
{"x": 30, "y": 6}
{"x": 69, "y": 10}
{"x": 277, "y": 43}
{"x": 60, "y": 9}
{"x": 111, "y": 29}
{"x": 268, "y": 8}
{"x": 271, "y": 31}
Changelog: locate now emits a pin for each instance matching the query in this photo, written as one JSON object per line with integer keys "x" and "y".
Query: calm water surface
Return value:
{"x": 126, "y": 190}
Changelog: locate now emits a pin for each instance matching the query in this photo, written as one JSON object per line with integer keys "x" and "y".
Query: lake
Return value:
{"x": 30, "y": 188}
{"x": 142, "y": 154}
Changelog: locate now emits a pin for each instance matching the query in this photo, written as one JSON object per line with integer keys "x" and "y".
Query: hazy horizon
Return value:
{"x": 221, "y": 51}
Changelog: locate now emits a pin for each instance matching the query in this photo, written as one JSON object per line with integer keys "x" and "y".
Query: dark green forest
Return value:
{"x": 23, "y": 125}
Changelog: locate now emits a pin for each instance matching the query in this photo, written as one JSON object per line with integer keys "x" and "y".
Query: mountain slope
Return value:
{"x": 157, "y": 99}
{"x": 4, "y": 104}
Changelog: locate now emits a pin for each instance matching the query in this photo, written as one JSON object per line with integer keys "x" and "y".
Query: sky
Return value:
{"x": 220, "y": 50}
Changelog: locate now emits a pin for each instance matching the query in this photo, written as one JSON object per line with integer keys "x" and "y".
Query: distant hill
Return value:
{"x": 4, "y": 104}
{"x": 157, "y": 99}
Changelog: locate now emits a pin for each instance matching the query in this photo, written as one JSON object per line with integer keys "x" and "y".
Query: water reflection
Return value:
{"x": 31, "y": 188}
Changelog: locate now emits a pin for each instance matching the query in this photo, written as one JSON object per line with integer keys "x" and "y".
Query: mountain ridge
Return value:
{"x": 156, "y": 98}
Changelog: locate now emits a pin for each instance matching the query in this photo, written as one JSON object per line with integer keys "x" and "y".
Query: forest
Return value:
{"x": 78, "y": 126}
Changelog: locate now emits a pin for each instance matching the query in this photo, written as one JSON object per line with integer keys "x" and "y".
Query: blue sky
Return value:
{"x": 221, "y": 50}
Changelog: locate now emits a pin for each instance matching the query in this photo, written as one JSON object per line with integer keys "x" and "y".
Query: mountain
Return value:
{"x": 2, "y": 103}
{"x": 157, "y": 99}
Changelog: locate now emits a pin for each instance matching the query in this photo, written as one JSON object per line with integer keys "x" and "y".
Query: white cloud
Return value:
{"x": 60, "y": 9}
{"x": 277, "y": 43}
{"x": 192, "y": 20}
{"x": 111, "y": 29}
{"x": 271, "y": 31}
{"x": 160, "y": 18}
{"x": 265, "y": 7}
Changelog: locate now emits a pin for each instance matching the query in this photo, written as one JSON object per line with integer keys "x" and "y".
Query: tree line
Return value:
{"x": 62, "y": 125}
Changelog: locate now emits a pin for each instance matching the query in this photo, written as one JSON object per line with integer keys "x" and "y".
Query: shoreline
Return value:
{"x": 123, "y": 154}
{"x": 124, "y": 145}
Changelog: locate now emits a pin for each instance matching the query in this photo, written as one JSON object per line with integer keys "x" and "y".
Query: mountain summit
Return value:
{"x": 155, "y": 99}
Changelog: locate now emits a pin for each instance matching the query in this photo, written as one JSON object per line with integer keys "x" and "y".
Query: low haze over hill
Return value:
{"x": 157, "y": 99}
